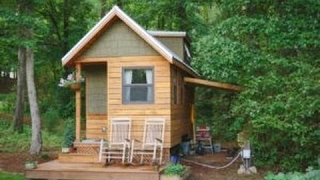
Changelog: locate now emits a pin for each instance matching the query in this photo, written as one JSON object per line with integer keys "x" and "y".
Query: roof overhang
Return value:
{"x": 212, "y": 84}
{"x": 114, "y": 13}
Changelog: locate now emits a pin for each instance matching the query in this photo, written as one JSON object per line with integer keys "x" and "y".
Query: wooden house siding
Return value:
{"x": 115, "y": 43}
{"x": 138, "y": 112}
{"x": 119, "y": 40}
{"x": 181, "y": 109}
{"x": 96, "y": 99}
{"x": 94, "y": 125}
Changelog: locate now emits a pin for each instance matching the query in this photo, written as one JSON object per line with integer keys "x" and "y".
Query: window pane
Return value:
{"x": 139, "y": 94}
{"x": 139, "y": 76}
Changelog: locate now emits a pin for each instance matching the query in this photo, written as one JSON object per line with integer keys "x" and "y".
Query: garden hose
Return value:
{"x": 213, "y": 167}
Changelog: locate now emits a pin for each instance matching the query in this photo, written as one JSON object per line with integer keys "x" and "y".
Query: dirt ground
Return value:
{"x": 13, "y": 162}
{"x": 199, "y": 172}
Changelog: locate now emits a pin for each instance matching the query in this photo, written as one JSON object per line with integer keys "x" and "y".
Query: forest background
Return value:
{"x": 269, "y": 47}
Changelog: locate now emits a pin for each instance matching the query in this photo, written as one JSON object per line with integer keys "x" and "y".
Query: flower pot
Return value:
{"x": 72, "y": 149}
{"x": 65, "y": 150}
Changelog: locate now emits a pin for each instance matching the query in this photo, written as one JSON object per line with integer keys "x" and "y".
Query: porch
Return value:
{"x": 88, "y": 171}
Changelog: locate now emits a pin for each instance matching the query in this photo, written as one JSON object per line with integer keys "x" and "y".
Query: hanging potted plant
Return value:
{"x": 71, "y": 81}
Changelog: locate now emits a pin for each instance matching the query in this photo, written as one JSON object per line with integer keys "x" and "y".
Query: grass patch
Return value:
{"x": 11, "y": 176}
{"x": 14, "y": 142}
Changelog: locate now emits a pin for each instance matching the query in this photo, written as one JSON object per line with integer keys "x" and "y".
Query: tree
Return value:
{"x": 10, "y": 32}
{"x": 21, "y": 86}
{"x": 272, "y": 49}
{"x": 27, "y": 54}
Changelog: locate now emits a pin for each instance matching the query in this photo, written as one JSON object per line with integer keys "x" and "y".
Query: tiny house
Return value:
{"x": 135, "y": 73}
{"x": 131, "y": 72}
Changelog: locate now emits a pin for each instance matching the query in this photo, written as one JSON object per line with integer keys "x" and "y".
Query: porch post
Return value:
{"x": 78, "y": 104}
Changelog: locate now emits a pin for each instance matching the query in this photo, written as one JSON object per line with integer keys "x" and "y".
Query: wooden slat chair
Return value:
{"x": 118, "y": 145}
{"x": 153, "y": 137}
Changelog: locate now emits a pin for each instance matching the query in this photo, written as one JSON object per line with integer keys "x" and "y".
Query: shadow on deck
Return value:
{"x": 92, "y": 171}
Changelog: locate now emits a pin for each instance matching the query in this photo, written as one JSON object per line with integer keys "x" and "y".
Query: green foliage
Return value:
{"x": 15, "y": 142}
{"x": 69, "y": 133}
{"x": 219, "y": 116}
{"x": 311, "y": 174}
{"x": 271, "y": 49}
{"x": 172, "y": 169}
{"x": 7, "y": 102}
{"x": 52, "y": 120}
{"x": 11, "y": 176}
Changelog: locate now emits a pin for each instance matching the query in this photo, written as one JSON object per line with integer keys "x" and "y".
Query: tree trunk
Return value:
{"x": 36, "y": 140}
{"x": 21, "y": 86}
{"x": 27, "y": 7}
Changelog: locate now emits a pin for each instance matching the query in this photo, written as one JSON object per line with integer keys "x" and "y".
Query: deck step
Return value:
{"x": 78, "y": 158}
{"x": 87, "y": 171}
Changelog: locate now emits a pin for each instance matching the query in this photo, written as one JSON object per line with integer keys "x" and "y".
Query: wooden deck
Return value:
{"x": 55, "y": 170}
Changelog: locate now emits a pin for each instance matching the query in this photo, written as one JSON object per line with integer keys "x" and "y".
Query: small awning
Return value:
{"x": 212, "y": 84}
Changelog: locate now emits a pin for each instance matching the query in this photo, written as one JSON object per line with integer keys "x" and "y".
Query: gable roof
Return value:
{"x": 116, "y": 12}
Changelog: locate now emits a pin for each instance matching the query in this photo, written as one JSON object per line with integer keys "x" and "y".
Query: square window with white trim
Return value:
{"x": 138, "y": 85}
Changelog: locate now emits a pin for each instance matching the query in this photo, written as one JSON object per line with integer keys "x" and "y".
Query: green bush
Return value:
{"x": 311, "y": 174}
{"x": 69, "y": 133}
{"x": 7, "y": 102}
{"x": 174, "y": 169}
{"x": 52, "y": 120}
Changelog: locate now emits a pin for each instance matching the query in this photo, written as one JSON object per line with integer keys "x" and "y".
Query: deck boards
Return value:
{"x": 92, "y": 171}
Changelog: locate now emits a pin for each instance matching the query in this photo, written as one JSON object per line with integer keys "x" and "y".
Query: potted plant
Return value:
{"x": 174, "y": 171}
{"x": 31, "y": 163}
{"x": 71, "y": 81}
{"x": 68, "y": 137}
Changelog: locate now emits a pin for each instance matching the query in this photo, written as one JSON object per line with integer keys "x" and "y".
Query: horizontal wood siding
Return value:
{"x": 181, "y": 110}
{"x": 138, "y": 112}
{"x": 178, "y": 120}
{"x": 94, "y": 124}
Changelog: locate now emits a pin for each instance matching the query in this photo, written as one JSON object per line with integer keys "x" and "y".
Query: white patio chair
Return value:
{"x": 153, "y": 137}
{"x": 118, "y": 145}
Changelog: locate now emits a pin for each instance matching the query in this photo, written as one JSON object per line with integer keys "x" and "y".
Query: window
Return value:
{"x": 137, "y": 85}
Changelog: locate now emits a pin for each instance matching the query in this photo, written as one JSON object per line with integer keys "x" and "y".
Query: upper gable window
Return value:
{"x": 138, "y": 86}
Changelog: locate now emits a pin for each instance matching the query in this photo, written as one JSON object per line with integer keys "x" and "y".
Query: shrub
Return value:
{"x": 174, "y": 169}
{"x": 311, "y": 174}
{"x": 69, "y": 133}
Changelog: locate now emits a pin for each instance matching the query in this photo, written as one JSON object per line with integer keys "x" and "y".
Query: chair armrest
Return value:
{"x": 136, "y": 140}
{"x": 158, "y": 140}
